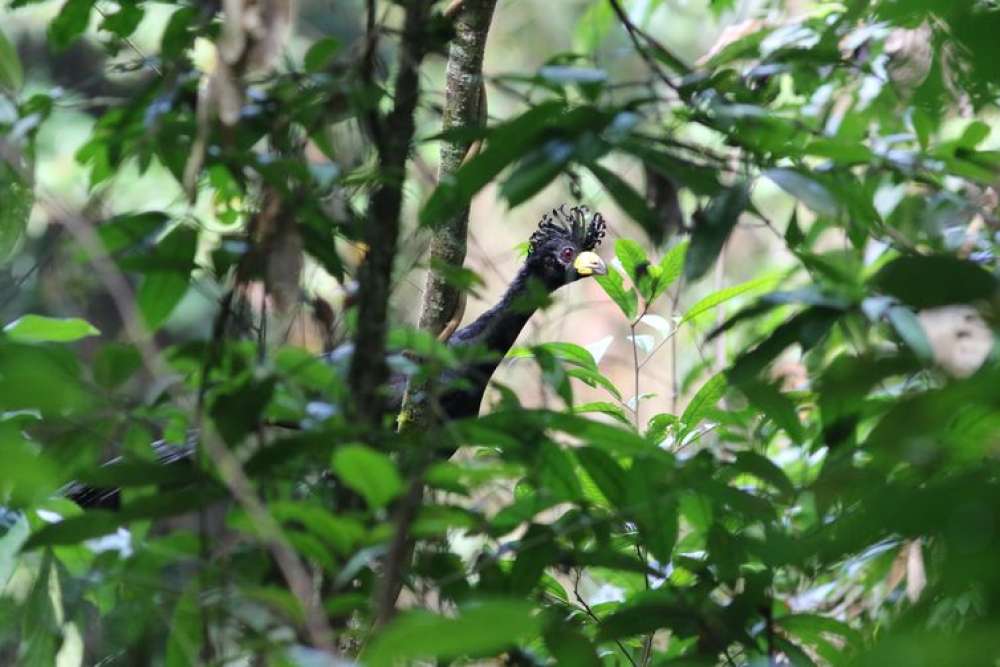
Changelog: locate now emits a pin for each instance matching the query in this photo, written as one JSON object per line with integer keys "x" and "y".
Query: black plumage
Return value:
{"x": 560, "y": 251}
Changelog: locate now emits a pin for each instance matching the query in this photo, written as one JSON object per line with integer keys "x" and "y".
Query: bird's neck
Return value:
{"x": 499, "y": 327}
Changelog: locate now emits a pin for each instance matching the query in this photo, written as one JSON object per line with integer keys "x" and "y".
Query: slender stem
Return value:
{"x": 590, "y": 612}
{"x": 635, "y": 376}
{"x": 674, "y": 384}
{"x": 647, "y": 642}
{"x": 634, "y": 33}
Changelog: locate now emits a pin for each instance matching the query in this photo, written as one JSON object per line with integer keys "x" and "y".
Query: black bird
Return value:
{"x": 561, "y": 251}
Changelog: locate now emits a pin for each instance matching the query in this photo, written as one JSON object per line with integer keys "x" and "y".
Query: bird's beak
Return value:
{"x": 589, "y": 264}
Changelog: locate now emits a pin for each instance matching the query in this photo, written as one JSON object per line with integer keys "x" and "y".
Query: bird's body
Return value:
{"x": 561, "y": 252}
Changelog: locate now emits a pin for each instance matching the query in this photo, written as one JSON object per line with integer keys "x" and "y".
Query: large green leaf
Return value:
{"x": 712, "y": 228}
{"x": 935, "y": 280}
{"x": 40, "y": 329}
{"x": 614, "y": 286}
{"x": 164, "y": 287}
{"x": 630, "y": 201}
{"x": 507, "y": 143}
{"x": 809, "y": 191}
{"x": 70, "y": 23}
{"x": 370, "y": 473}
{"x": 714, "y": 299}
{"x": 479, "y": 629}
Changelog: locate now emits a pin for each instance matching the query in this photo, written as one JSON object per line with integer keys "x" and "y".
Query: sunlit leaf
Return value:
{"x": 39, "y": 329}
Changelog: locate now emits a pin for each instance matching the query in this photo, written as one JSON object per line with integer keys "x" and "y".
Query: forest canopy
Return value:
{"x": 599, "y": 332}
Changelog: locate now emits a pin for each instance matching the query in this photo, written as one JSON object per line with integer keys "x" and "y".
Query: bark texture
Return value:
{"x": 465, "y": 106}
{"x": 368, "y": 372}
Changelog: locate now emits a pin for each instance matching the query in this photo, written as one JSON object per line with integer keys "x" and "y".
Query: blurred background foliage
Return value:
{"x": 768, "y": 436}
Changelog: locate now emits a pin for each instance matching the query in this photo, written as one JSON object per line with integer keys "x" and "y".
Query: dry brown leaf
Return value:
{"x": 916, "y": 575}
{"x": 897, "y": 572}
{"x": 911, "y": 54}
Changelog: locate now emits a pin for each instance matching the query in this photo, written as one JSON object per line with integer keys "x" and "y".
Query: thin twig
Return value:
{"x": 596, "y": 619}
{"x": 634, "y": 33}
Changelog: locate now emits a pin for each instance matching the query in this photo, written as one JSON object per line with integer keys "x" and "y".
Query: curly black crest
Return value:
{"x": 570, "y": 223}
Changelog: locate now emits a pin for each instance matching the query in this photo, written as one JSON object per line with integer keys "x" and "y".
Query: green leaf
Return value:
{"x": 570, "y": 352}
{"x": 593, "y": 26}
{"x": 793, "y": 233}
{"x": 595, "y": 379}
{"x": 16, "y": 201}
{"x": 658, "y": 425}
{"x": 11, "y": 73}
{"x": 40, "y": 329}
{"x": 132, "y": 231}
{"x": 775, "y": 405}
{"x": 764, "y": 469}
{"x": 16, "y": 531}
{"x": 704, "y": 401}
{"x": 610, "y": 478}
{"x": 507, "y": 143}
{"x": 928, "y": 281}
{"x": 630, "y": 201}
{"x": 370, "y": 473}
{"x": 95, "y": 523}
{"x": 632, "y": 257}
{"x": 538, "y": 550}
{"x": 555, "y": 473}
{"x": 164, "y": 287}
{"x": 614, "y": 286}
{"x": 185, "y": 636}
{"x": 320, "y": 54}
{"x": 536, "y": 170}
{"x": 611, "y": 409}
{"x": 671, "y": 268}
{"x": 808, "y": 190}
{"x": 342, "y": 532}
{"x": 123, "y": 22}
{"x": 712, "y": 227}
{"x": 115, "y": 363}
{"x": 908, "y": 326}
{"x": 569, "y": 646}
{"x": 654, "y": 507}
{"x": 478, "y": 630}
{"x": 807, "y": 328}
{"x": 650, "y": 611}
{"x": 70, "y": 23}
{"x": 717, "y": 298}
{"x": 700, "y": 179}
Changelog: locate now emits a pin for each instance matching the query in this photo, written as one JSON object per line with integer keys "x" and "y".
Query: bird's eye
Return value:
{"x": 566, "y": 254}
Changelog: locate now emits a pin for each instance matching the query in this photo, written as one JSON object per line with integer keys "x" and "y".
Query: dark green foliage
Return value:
{"x": 820, "y": 488}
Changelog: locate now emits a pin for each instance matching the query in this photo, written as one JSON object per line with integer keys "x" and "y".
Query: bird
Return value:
{"x": 561, "y": 251}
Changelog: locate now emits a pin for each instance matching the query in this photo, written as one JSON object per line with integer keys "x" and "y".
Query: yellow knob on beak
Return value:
{"x": 589, "y": 264}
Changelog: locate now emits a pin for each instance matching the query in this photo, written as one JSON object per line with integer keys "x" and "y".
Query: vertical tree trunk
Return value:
{"x": 368, "y": 371}
{"x": 465, "y": 106}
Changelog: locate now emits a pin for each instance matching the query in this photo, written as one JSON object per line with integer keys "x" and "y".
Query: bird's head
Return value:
{"x": 562, "y": 248}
